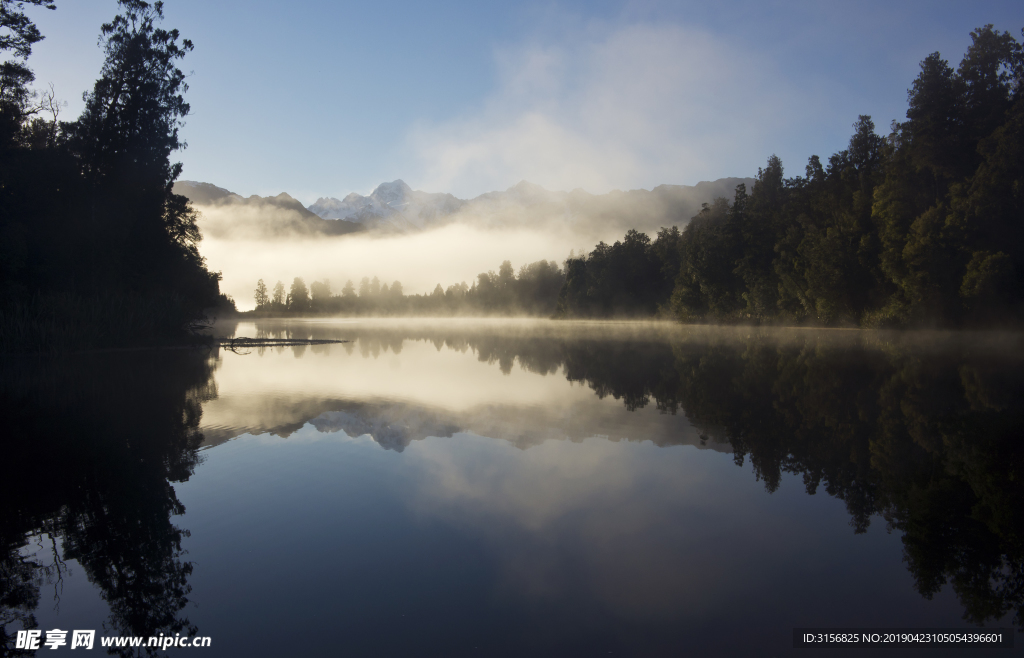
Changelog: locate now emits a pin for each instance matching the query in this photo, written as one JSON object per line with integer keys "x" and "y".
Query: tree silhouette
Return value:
{"x": 298, "y": 296}
{"x": 261, "y": 297}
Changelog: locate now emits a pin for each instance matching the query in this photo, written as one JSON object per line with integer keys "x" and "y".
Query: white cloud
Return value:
{"x": 635, "y": 106}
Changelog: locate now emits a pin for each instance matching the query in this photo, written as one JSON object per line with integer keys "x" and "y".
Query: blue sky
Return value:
{"x": 323, "y": 98}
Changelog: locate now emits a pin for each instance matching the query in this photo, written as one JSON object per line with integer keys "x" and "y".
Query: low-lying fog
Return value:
{"x": 446, "y": 255}
{"x": 421, "y": 239}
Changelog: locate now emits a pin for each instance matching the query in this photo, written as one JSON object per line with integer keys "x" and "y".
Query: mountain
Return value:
{"x": 612, "y": 213}
{"x": 392, "y": 205}
{"x": 396, "y": 206}
{"x": 223, "y": 212}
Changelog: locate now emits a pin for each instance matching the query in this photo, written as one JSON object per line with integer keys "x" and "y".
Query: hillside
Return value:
{"x": 396, "y": 207}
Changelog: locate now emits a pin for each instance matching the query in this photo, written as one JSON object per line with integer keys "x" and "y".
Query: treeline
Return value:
{"x": 532, "y": 291}
{"x": 95, "y": 249}
{"x": 922, "y": 227}
{"x": 925, "y": 225}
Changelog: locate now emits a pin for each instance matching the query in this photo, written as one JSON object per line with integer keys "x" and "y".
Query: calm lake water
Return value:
{"x": 512, "y": 488}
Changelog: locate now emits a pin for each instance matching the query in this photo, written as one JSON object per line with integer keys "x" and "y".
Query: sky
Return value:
{"x": 323, "y": 98}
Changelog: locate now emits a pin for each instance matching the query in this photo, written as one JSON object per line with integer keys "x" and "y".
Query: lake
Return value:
{"x": 510, "y": 487}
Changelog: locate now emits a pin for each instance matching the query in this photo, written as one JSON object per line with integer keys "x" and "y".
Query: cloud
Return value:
{"x": 635, "y": 106}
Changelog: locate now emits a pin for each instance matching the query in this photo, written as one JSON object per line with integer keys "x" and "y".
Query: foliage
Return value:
{"x": 631, "y": 277}
{"x": 87, "y": 208}
{"x": 922, "y": 227}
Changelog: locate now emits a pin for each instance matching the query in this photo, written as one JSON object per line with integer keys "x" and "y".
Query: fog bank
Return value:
{"x": 446, "y": 255}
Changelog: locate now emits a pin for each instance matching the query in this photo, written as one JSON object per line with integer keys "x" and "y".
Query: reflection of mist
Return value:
{"x": 590, "y": 493}
{"x": 575, "y": 512}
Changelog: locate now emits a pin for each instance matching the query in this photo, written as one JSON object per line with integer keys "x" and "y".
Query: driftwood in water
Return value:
{"x": 242, "y": 342}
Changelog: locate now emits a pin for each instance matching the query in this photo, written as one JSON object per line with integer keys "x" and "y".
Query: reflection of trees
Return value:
{"x": 923, "y": 431}
{"x": 91, "y": 450}
{"x": 929, "y": 440}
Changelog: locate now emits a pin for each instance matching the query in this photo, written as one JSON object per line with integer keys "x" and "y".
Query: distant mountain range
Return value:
{"x": 396, "y": 207}
{"x": 392, "y": 205}
{"x": 226, "y": 213}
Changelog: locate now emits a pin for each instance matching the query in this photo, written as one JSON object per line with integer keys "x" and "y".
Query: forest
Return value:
{"x": 95, "y": 249}
{"x": 532, "y": 291}
{"x": 922, "y": 227}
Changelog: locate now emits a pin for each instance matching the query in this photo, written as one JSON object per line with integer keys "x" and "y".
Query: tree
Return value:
{"x": 349, "y": 291}
{"x": 278, "y": 294}
{"x": 17, "y": 34}
{"x": 132, "y": 115}
{"x": 262, "y": 299}
{"x": 143, "y": 236}
{"x": 320, "y": 293}
{"x": 298, "y": 296}
{"x": 89, "y": 218}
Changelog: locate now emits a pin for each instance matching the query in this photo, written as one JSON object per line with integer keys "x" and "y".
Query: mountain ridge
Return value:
{"x": 395, "y": 207}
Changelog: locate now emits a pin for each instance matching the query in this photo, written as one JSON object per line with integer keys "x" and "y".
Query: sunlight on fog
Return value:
{"x": 447, "y": 255}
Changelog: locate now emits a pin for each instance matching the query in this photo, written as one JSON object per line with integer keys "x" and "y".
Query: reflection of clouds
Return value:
{"x": 610, "y": 520}
{"x": 495, "y": 378}
{"x": 395, "y": 425}
{"x": 448, "y": 379}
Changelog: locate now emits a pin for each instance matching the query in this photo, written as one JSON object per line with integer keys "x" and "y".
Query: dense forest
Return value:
{"x": 95, "y": 249}
{"x": 924, "y": 226}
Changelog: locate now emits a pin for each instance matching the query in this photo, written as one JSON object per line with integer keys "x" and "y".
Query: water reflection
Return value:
{"x": 921, "y": 430}
{"x": 493, "y": 493}
{"x": 91, "y": 447}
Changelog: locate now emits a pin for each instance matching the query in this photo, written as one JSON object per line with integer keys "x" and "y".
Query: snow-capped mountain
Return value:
{"x": 392, "y": 205}
{"x": 396, "y": 207}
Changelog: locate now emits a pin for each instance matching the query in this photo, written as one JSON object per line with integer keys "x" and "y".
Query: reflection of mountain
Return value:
{"x": 395, "y": 206}
{"x": 395, "y": 426}
{"x": 922, "y": 430}
{"x": 624, "y": 368}
{"x": 92, "y": 446}
{"x": 394, "y": 429}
